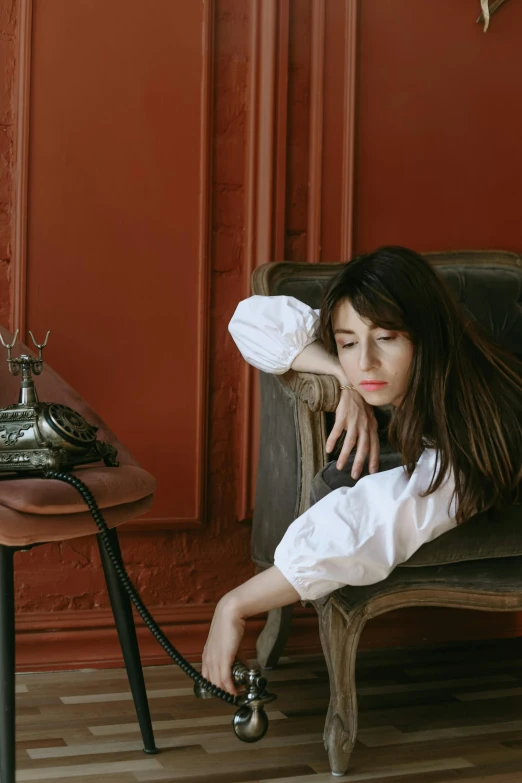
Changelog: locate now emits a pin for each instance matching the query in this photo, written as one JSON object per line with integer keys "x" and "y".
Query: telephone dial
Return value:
{"x": 51, "y": 440}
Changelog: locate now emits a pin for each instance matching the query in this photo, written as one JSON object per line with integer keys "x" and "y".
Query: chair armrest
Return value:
{"x": 320, "y": 392}
{"x": 292, "y": 451}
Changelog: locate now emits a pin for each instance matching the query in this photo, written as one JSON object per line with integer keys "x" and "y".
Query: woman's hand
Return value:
{"x": 261, "y": 593}
{"x": 224, "y": 639}
{"x": 354, "y": 415}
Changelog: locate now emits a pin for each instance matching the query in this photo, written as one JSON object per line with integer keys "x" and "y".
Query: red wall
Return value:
{"x": 7, "y": 67}
{"x": 437, "y": 128}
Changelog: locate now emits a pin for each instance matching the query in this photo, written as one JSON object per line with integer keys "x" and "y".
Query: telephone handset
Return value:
{"x": 52, "y": 439}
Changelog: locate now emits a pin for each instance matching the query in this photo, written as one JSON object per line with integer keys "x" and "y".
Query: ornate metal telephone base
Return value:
{"x": 45, "y": 436}
{"x": 250, "y": 721}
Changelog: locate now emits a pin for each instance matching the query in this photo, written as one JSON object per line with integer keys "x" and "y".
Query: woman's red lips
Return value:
{"x": 373, "y": 385}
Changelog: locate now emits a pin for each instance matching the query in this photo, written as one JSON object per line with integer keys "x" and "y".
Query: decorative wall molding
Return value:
{"x": 74, "y": 639}
{"x": 204, "y": 262}
{"x": 21, "y": 168}
{"x": 20, "y": 238}
{"x": 281, "y": 124}
{"x": 265, "y": 192}
{"x": 266, "y": 179}
{"x": 315, "y": 166}
{"x": 348, "y": 159}
{"x": 147, "y": 524}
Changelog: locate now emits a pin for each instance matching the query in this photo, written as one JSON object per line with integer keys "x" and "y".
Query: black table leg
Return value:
{"x": 123, "y": 617}
{"x": 7, "y": 667}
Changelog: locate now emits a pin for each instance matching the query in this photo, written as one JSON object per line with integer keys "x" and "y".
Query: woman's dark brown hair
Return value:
{"x": 464, "y": 395}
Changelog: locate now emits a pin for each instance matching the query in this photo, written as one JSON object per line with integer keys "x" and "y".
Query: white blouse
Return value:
{"x": 355, "y": 535}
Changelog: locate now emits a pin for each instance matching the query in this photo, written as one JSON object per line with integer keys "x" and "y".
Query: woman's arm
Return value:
{"x": 278, "y": 333}
{"x": 263, "y": 592}
{"x": 353, "y": 536}
{"x": 315, "y": 358}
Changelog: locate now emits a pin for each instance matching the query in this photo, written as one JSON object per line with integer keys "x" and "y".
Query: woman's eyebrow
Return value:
{"x": 350, "y": 331}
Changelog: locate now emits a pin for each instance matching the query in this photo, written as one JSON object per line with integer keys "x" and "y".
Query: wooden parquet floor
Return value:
{"x": 430, "y": 715}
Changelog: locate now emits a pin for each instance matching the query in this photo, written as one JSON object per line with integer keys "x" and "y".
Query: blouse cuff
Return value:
{"x": 309, "y": 590}
{"x": 271, "y": 331}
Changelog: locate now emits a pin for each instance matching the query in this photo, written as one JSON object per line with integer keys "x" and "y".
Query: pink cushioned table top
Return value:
{"x": 110, "y": 487}
{"x": 21, "y": 530}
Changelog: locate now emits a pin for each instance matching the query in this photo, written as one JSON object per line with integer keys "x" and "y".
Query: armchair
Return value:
{"x": 476, "y": 566}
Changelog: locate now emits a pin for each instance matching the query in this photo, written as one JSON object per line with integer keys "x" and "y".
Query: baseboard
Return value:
{"x": 87, "y": 639}
{"x": 48, "y": 641}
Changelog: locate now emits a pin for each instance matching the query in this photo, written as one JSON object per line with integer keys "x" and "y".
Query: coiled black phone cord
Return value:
{"x": 133, "y": 594}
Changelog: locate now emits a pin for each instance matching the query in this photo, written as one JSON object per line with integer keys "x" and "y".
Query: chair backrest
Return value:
{"x": 487, "y": 284}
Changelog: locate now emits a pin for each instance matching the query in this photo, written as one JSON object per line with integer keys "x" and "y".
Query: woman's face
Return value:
{"x": 375, "y": 360}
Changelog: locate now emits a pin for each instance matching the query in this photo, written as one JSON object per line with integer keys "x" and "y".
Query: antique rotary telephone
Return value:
{"x": 52, "y": 439}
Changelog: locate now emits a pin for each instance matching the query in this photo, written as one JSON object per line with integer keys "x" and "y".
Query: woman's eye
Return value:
{"x": 348, "y": 345}
{"x": 386, "y": 339}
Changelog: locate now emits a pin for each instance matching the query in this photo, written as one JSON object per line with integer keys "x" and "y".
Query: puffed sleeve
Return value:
{"x": 270, "y": 331}
{"x": 357, "y": 535}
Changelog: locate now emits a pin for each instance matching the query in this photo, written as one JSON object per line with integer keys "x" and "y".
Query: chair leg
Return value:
{"x": 272, "y": 639}
{"x": 123, "y": 617}
{"x": 340, "y": 635}
{"x": 7, "y": 667}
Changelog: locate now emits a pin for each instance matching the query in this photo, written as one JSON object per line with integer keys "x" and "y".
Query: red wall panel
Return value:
{"x": 117, "y": 263}
{"x": 298, "y": 130}
{"x": 439, "y": 125}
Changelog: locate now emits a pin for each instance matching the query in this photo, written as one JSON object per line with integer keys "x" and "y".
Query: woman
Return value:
{"x": 391, "y": 333}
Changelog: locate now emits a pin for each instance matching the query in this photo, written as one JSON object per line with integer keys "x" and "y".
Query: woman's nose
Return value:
{"x": 368, "y": 360}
